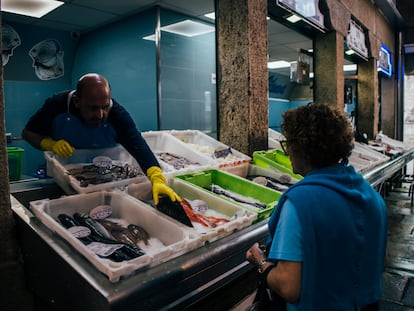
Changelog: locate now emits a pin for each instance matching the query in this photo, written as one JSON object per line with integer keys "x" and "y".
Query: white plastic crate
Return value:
{"x": 58, "y": 167}
{"x": 273, "y": 139}
{"x": 163, "y": 142}
{"x": 238, "y": 217}
{"x": 170, "y": 242}
{"x": 235, "y": 163}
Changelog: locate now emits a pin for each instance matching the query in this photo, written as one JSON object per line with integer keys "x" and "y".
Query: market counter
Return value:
{"x": 64, "y": 280}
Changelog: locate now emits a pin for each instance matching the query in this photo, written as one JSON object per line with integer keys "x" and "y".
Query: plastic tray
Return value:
{"x": 58, "y": 167}
{"x": 276, "y": 159}
{"x": 236, "y": 162}
{"x": 269, "y": 172}
{"x": 165, "y": 142}
{"x": 238, "y": 217}
{"x": 175, "y": 240}
{"x": 203, "y": 180}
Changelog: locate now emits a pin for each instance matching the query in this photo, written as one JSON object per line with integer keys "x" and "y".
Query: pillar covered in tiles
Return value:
{"x": 242, "y": 81}
{"x": 367, "y": 108}
{"x": 329, "y": 76}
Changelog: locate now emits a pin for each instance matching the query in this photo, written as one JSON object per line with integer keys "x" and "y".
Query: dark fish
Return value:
{"x": 235, "y": 196}
{"x": 222, "y": 152}
{"x": 110, "y": 225}
{"x": 66, "y": 221}
{"x": 96, "y": 227}
{"x": 123, "y": 236}
{"x": 125, "y": 253}
{"x": 139, "y": 233}
{"x": 174, "y": 210}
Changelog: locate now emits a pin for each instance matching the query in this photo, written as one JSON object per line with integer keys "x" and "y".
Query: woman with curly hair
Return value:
{"x": 327, "y": 235}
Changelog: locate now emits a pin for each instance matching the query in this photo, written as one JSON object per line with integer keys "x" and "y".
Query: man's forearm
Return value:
{"x": 32, "y": 138}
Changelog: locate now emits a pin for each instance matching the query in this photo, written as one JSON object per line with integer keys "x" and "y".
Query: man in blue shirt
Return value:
{"x": 88, "y": 118}
{"x": 327, "y": 235}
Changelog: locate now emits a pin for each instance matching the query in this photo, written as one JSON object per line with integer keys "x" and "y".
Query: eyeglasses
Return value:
{"x": 283, "y": 144}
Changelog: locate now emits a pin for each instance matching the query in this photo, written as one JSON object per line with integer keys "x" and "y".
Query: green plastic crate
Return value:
{"x": 275, "y": 159}
{"x": 244, "y": 187}
{"x": 15, "y": 156}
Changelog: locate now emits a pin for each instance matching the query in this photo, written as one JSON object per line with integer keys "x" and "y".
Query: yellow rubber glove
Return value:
{"x": 159, "y": 185}
{"x": 61, "y": 147}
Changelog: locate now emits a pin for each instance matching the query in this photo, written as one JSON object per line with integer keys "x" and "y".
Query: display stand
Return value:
{"x": 63, "y": 280}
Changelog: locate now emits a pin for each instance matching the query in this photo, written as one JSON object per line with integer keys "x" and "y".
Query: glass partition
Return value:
{"x": 187, "y": 65}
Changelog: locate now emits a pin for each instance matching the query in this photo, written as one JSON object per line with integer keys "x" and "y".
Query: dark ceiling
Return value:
{"x": 406, "y": 9}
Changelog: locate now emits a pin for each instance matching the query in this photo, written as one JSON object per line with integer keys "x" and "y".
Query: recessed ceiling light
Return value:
{"x": 149, "y": 38}
{"x": 293, "y": 18}
{"x": 211, "y": 15}
{"x": 33, "y": 8}
{"x": 278, "y": 64}
{"x": 188, "y": 28}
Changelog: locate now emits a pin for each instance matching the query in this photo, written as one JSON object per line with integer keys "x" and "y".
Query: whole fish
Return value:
{"x": 119, "y": 232}
{"x": 94, "y": 225}
{"x": 124, "y": 236}
{"x": 139, "y": 233}
{"x": 236, "y": 197}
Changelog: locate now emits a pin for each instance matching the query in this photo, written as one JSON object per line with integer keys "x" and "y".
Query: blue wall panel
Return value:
{"x": 119, "y": 52}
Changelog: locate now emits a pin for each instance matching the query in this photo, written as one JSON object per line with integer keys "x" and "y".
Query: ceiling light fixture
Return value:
{"x": 188, "y": 28}
{"x": 278, "y": 64}
{"x": 293, "y": 18}
{"x": 211, "y": 15}
{"x": 33, "y": 8}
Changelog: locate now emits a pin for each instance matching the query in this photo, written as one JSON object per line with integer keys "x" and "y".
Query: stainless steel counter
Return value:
{"x": 64, "y": 280}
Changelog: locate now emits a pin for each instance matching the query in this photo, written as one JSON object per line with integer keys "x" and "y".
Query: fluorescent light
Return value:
{"x": 293, "y": 18}
{"x": 188, "y": 28}
{"x": 352, "y": 67}
{"x": 210, "y": 15}
{"x": 349, "y": 52}
{"x": 149, "y": 38}
{"x": 33, "y": 8}
{"x": 278, "y": 64}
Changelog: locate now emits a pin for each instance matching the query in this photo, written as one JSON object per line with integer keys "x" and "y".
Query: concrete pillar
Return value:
{"x": 328, "y": 69}
{"x": 367, "y": 101}
{"x": 242, "y": 78}
{"x": 13, "y": 293}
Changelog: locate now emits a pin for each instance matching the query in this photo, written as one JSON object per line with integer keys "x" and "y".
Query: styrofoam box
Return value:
{"x": 238, "y": 218}
{"x": 174, "y": 240}
{"x": 236, "y": 163}
{"x": 363, "y": 158}
{"x": 367, "y": 151}
{"x": 58, "y": 167}
{"x": 164, "y": 142}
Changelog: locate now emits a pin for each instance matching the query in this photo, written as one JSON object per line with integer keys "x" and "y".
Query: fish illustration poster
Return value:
{"x": 47, "y": 56}
{"x": 10, "y": 40}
